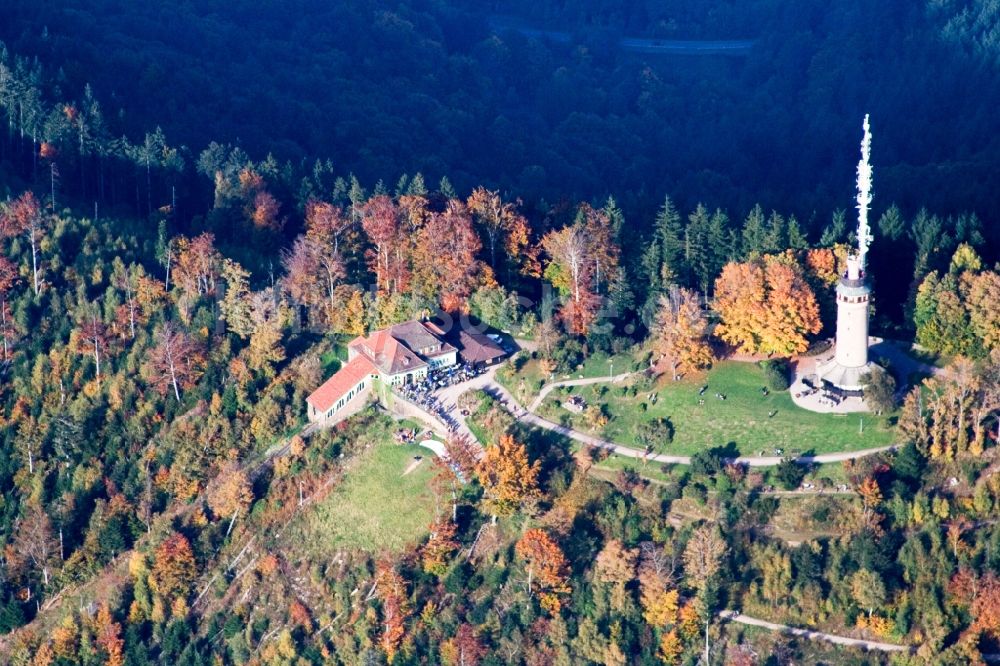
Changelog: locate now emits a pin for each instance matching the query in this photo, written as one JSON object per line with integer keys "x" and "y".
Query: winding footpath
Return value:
{"x": 490, "y": 385}
{"x": 740, "y": 618}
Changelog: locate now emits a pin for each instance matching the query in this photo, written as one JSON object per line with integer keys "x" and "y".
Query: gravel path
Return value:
{"x": 735, "y": 616}
{"x": 487, "y": 383}
{"x": 548, "y": 388}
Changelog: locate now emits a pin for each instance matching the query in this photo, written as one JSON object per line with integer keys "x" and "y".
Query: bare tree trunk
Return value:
{"x": 3, "y": 326}
{"x": 52, "y": 179}
{"x": 173, "y": 380}
{"x": 170, "y": 260}
{"x": 34, "y": 256}
{"x": 97, "y": 349}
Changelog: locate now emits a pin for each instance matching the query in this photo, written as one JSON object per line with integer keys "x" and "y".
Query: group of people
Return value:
{"x": 830, "y": 399}
{"x": 701, "y": 392}
{"x": 423, "y": 395}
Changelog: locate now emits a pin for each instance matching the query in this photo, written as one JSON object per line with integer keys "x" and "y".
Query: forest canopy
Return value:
{"x": 203, "y": 207}
{"x": 483, "y": 93}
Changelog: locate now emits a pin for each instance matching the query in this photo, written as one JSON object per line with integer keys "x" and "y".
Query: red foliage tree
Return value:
{"x": 464, "y": 648}
{"x": 175, "y": 362}
{"x": 109, "y": 636}
{"x": 24, "y": 215}
{"x": 174, "y": 567}
{"x": 264, "y": 211}
{"x": 8, "y": 330}
{"x": 382, "y": 222}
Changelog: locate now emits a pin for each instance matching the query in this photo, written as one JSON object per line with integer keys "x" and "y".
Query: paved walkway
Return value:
{"x": 903, "y": 366}
{"x": 548, "y": 388}
{"x": 736, "y": 616}
{"x": 753, "y": 461}
{"x": 449, "y": 395}
{"x": 436, "y": 447}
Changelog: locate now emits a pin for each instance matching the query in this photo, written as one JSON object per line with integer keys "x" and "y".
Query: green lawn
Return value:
{"x": 528, "y": 380}
{"x": 742, "y": 419}
{"x": 375, "y": 508}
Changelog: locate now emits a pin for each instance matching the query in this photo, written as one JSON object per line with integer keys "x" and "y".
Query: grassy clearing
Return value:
{"x": 375, "y": 508}
{"x": 808, "y": 517}
{"x": 740, "y": 422}
{"x": 527, "y": 380}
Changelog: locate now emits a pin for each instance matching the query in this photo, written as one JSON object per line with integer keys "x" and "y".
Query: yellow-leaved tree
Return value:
{"x": 508, "y": 477}
{"x": 679, "y": 339}
{"x": 766, "y": 307}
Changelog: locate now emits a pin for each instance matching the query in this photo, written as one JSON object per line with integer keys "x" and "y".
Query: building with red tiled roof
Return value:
{"x": 400, "y": 354}
{"x": 350, "y": 381}
{"x": 405, "y": 352}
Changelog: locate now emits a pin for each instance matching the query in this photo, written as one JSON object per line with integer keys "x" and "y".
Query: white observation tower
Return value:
{"x": 850, "y": 361}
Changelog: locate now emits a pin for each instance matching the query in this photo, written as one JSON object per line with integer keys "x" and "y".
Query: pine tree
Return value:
{"x": 754, "y": 232}
{"x": 796, "y": 237}
{"x": 662, "y": 262}
{"x": 892, "y": 225}
{"x": 834, "y": 232}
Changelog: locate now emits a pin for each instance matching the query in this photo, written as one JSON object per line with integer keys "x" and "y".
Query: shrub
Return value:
{"x": 789, "y": 474}
{"x": 706, "y": 463}
{"x": 776, "y": 374}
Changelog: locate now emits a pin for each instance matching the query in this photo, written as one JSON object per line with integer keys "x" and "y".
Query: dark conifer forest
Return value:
{"x": 383, "y": 88}
{"x": 205, "y": 207}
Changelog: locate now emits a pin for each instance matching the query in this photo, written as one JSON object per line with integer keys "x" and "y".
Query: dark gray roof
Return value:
{"x": 478, "y": 347}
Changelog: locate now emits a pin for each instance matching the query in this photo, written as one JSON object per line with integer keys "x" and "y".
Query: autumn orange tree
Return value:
{"x": 439, "y": 546}
{"x": 547, "y": 568}
{"x": 231, "y": 492}
{"x": 508, "y": 477}
{"x": 174, "y": 568}
{"x": 503, "y": 226}
{"x": 985, "y": 608}
{"x": 678, "y": 338}
{"x": 197, "y": 267}
{"x": 616, "y": 566}
{"x": 658, "y": 595}
{"x": 390, "y": 588}
{"x": 109, "y": 636}
{"x": 766, "y": 307}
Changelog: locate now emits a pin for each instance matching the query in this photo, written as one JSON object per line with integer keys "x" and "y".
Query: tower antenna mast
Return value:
{"x": 864, "y": 195}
